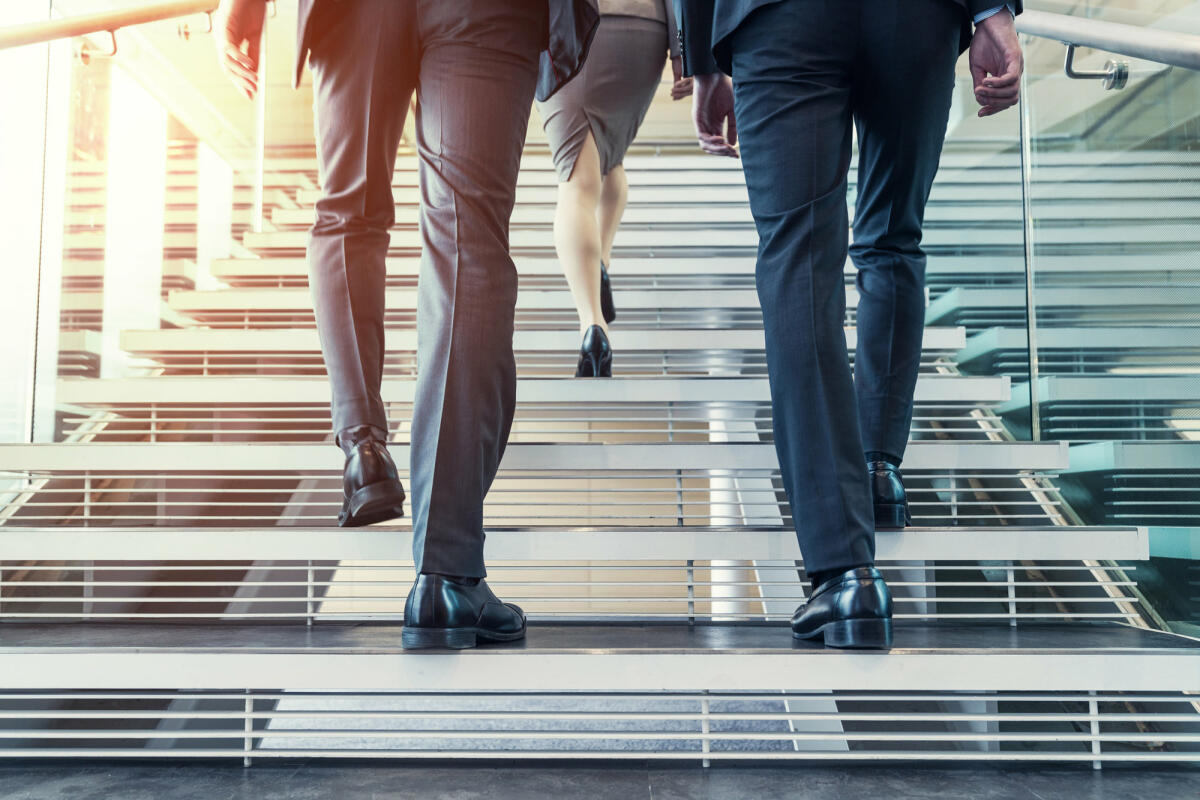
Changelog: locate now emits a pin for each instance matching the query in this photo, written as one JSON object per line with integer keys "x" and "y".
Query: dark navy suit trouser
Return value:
{"x": 807, "y": 74}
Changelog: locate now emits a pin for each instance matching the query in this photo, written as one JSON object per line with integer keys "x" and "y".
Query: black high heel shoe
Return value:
{"x": 606, "y": 298}
{"x": 595, "y": 355}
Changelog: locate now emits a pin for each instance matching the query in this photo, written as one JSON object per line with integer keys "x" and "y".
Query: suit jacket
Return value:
{"x": 706, "y": 24}
{"x": 572, "y": 26}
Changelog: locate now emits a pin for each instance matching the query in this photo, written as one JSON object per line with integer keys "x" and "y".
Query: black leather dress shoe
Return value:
{"x": 606, "y": 299}
{"x": 595, "y": 355}
{"x": 450, "y": 613}
{"x": 370, "y": 484}
{"x": 851, "y": 610}
{"x": 891, "y": 501}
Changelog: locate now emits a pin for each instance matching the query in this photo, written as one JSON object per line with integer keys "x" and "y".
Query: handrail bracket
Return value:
{"x": 1115, "y": 74}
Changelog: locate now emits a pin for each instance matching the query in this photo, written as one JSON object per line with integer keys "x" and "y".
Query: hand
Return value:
{"x": 995, "y": 52}
{"x": 683, "y": 86}
{"x": 712, "y": 113}
{"x": 238, "y": 33}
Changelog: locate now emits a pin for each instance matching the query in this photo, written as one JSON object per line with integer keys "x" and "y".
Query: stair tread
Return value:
{"x": 593, "y": 639}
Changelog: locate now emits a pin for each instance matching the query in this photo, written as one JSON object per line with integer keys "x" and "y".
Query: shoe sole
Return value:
{"x": 452, "y": 638}
{"x": 891, "y": 516}
{"x": 853, "y": 634}
{"x": 377, "y": 502}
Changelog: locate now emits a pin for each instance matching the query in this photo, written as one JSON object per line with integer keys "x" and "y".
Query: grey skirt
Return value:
{"x": 611, "y": 94}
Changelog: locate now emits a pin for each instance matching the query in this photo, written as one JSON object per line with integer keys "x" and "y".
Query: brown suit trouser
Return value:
{"x": 473, "y": 65}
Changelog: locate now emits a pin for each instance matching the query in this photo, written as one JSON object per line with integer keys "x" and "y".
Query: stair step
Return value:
{"x": 296, "y": 269}
{"x": 649, "y": 390}
{"x": 988, "y": 306}
{"x": 651, "y": 208}
{"x": 405, "y": 175}
{"x": 1158, "y": 457}
{"x": 734, "y": 193}
{"x": 297, "y": 300}
{"x": 291, "y": 458}
{"x": 708, "y": 239}
{"x": 572, "y": 658}
{"x": 304, "y": 340}
{"x": 1080, "y": 349}
{"x": 1097, "y": 391}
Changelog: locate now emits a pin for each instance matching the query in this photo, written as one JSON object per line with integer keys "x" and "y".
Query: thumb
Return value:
{"x": 254, "y": 45}
{"x": 731, "y": 130}
{"x": 978, "y": 73}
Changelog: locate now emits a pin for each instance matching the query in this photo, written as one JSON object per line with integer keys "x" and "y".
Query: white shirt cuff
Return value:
{"x": 993, "y": 12}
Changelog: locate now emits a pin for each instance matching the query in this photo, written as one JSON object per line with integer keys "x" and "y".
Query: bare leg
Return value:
{"x": 613, "y": 195}
{"x": 577, "y": 235}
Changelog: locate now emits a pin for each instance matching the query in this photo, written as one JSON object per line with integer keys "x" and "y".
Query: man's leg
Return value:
{"x": 903, "y": 88}
{"x": 478, "y": 68}
{"x": 364, "y": 70}
{"x": 792, "y": 68}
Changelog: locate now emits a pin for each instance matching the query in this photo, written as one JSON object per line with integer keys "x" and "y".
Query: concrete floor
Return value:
{"x": 302, "y": 780}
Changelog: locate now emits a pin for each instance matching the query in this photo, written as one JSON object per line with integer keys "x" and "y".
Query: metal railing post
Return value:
{"x": 1035, "y": 415}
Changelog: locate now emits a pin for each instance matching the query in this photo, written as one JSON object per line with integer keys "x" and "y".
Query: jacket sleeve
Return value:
{"x": 695, "y": 18}
{"x": 672, "y": 27}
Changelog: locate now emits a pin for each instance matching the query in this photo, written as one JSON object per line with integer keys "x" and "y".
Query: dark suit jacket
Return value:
{"x": 706, "y": 24}
{"x": 572, "y": 26}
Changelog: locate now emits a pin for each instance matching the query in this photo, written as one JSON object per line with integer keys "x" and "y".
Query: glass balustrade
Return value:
{"x": 1114, "y": 199}
{"x": 134, "y": 177}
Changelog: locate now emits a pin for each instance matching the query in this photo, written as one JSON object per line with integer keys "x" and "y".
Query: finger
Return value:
{"x": 993, "y": 95}
{"x": 238, "y": 70}
{"x": 731, "y": 129}
{"x": 978, "y": 76}
{"x": 1012, "y": 74}
{"x": 1002, "y": 82}
{"x": 714, "y": 143}
{"x": 255, "y": 44}
{"x": 233, "y": 51}
{"x": 244, "y": 87}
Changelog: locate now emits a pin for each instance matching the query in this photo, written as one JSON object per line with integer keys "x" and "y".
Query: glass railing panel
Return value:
{"x": 1115, "y": 212}
{"x": 157, "y": 157}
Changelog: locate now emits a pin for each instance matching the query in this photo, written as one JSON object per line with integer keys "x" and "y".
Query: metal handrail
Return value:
{"x": 101, "y": 22}
{"x": 1148, "y": 44}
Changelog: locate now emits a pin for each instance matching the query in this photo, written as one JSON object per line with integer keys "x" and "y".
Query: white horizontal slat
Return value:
{"x": 746, "y": 238}
{"x": 290, "y": 458}
{"x": 949, "y": 193}
{"x": 299, "y": 299}
{"x": 505, "y": 669}
{"x": 1160, "y": 457}
{"x": 304, "y": 340}
{"x": 1115, "y": 300}
{"x": 384, "y": 543}
{"x": 731, "y": 265}
{"x": 1081, "y": 339}
{"x": 196, "y": 390}
{"x": 656, "y": 207}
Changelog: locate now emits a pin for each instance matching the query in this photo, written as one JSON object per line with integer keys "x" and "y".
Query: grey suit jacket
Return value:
{"x": 706, "y": 24}
{"x": 572, "y": 26}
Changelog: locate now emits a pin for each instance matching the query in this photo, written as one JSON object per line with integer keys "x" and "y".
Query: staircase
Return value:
{"x": 172, "y": 585}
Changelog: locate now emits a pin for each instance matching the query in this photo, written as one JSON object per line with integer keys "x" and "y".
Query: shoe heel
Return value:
{"x": 378, "y": 496}
{"x": 593, "y": 366}
{"x": 376, "y": 502}
{"x": 589, "y": 366}
{"x": 440, "y": 638}
{"x": 859, "y": 634}
{"x": 893, "y": 515}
